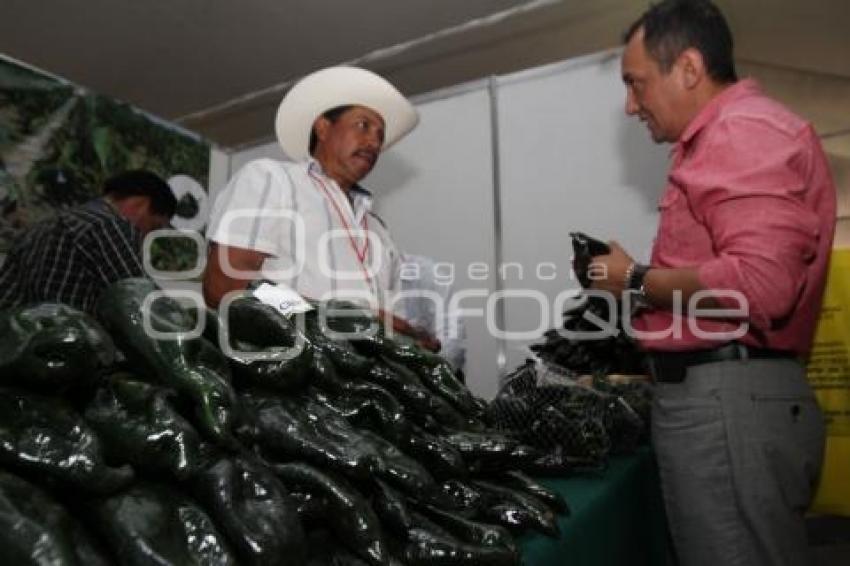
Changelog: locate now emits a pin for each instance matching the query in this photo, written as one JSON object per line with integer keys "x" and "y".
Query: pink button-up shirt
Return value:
{"x": 750, "y": 203}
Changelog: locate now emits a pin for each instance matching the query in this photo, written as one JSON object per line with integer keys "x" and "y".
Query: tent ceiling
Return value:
{"x": 194, "y": 61}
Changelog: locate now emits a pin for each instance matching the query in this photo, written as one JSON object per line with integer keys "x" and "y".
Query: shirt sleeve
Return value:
{"x": 250, "y": 210}
{"x": 10, "y": 286}
{"x": 451, "y": 331}
{"x": 748, "y": 189}
{"x": 112, "y": 249}
{"x": 395, "y": 264}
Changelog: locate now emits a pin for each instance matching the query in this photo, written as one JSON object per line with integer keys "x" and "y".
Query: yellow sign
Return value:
{"x": 829, "y": 365}
{"x": 829, "y": 376}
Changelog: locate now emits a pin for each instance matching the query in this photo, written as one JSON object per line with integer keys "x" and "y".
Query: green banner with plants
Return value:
{"x": 59, "y": 142}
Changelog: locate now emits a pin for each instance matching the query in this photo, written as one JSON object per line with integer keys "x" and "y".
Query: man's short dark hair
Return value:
{"x": 138, "y": 182}
{"x": 332, "y": 115}
{"x": 672, "y": 26}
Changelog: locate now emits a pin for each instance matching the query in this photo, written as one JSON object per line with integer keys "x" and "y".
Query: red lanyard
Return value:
{"x": 361, "y": 255}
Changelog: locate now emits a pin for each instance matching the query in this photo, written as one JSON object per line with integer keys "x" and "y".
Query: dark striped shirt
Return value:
{"x": 71, "y": 258}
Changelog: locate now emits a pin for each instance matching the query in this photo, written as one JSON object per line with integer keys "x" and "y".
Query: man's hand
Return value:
{"x": 425, "y": 339}
{"x": 608, "y": 272}
{"x": 422, "y": 337}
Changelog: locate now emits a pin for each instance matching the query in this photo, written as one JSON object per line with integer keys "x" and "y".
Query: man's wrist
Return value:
{"x": 628, "y": 275}
{"x": 636, "y": 282}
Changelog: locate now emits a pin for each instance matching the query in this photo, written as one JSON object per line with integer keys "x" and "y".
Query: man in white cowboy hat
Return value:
{"x": 308, "y": 223}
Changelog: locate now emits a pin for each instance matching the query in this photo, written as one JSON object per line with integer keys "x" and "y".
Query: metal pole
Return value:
{"x": 492, "y": 89}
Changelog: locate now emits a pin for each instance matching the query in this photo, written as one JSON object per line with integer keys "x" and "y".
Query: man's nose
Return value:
{"x": 373, "y": 141}
{"x": 632, "y": 107}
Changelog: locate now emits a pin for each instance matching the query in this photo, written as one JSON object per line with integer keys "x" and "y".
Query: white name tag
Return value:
{"x": 281, "y": 297}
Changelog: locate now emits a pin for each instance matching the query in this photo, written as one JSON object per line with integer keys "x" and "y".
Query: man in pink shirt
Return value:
{"x": 731, "y": 295}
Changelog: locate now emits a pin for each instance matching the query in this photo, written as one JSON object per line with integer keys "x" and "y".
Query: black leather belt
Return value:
{"x": 672, "y": 367}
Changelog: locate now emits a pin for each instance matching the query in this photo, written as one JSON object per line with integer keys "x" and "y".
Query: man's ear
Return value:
{"x": 133, "y": 207}
{"x": 321, "y": 125}
{"x": 691, "y": 67}
{"x": 142, "y": 205}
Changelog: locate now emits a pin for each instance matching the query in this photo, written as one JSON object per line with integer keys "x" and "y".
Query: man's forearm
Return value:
{"x": 229, "y": 269}
{"x": 215, "y": 288}
{"x": 663, "y": 286}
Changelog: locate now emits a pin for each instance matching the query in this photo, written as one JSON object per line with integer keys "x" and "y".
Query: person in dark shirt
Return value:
{"x": 72, "y": 257}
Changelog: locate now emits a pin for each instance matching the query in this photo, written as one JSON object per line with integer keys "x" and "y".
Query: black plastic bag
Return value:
{"x": 585, "y": 249}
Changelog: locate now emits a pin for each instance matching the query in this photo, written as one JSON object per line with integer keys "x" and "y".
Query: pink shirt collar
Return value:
{"x": 740, "y": 89}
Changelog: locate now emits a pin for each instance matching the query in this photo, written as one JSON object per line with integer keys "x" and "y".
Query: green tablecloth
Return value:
{"x": 617, "y": 518}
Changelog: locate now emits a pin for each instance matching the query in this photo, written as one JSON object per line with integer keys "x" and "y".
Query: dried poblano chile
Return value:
{"x": 155, "y": 524}
{"x": 254, "y": 510}
{"x": 51, "y": 348}
{"x": 138, "y": 425}
{"x": 35, "y": 529}
{"x": 44, "y": 439}
{"x": 195, "y": 368}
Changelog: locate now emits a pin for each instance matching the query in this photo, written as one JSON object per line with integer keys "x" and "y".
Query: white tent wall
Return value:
{"x": 570, "y": 160}
{"x": 435, "y": 190}
{"x": 567, "y": 159}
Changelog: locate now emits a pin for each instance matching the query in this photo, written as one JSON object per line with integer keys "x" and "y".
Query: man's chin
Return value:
{"x": 363, "y": 167}
{"x": 658, "y": 137}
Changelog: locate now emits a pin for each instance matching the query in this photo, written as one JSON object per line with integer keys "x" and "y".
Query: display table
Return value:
{"x": 617, "y": 518}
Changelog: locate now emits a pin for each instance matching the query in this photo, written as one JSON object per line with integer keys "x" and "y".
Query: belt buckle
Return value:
{"x": 667, "y": 369}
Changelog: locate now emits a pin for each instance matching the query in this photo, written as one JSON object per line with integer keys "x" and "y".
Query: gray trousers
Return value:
{"x": 739, "y": 447}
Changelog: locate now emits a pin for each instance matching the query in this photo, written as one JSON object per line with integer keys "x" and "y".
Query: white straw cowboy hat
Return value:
{"x": 340, "y": 86}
